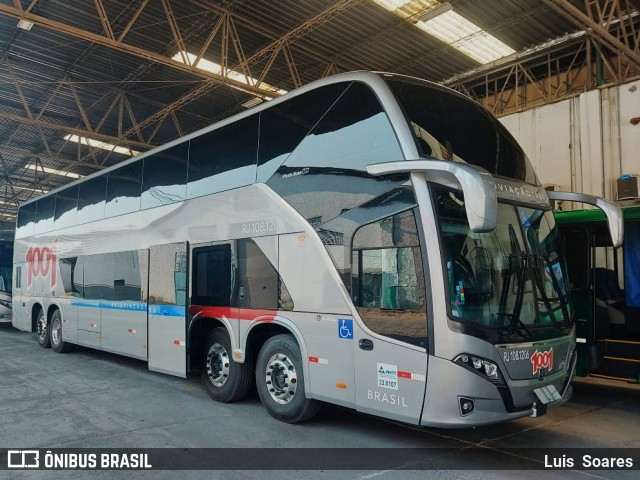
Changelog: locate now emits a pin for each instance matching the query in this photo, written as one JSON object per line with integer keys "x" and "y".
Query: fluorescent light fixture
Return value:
{"x": 30, "y": 189}
{"x": 252, "y": 103}
{"x": 53, "y": 171}
{"x": 90, "y": 142}
{"x": 231, "y": 74}
{"x": 440, "y": 21}
{"x": 25, "y": 24}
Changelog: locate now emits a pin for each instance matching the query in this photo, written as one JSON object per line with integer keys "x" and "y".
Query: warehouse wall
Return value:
{"x": 585, "y": 143}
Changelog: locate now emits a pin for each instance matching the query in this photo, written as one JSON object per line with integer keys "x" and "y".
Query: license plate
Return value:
{"x": 547, "y": 394}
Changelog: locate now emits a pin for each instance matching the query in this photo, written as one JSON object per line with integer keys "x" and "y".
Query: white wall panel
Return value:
{"x": 585, "y": 143}
{"x": 591, "y": 144}
{"x": 629, "y": 96}
{"x": 545, "y": 135}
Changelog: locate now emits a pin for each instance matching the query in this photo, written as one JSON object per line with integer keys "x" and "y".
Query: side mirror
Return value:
{"x": 481, "y": 202}
{"x": 615, "y": 221}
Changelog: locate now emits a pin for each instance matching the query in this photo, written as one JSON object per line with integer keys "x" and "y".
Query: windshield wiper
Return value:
{"x": 518, "y": 262}
{"x": 517, "y": 308}
{"x": 538, "y": 272}
{"x": 556, "y": 288}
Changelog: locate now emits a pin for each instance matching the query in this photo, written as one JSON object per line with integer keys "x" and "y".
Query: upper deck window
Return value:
{"x": 45, "y": 209}
{"x": 224, "y": 158}
{"x": 165, "y": 176}
{"x": 91, "y": 199}
{"x": 284, "y": 126}
{"x": 353, "y": 134}
{"x": 26, "y": 220}
{"x": 66, "y": 208}
{"x": 123, "y": 189}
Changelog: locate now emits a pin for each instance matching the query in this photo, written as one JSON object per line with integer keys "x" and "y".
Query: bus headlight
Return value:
{"x": 481, "y": 366}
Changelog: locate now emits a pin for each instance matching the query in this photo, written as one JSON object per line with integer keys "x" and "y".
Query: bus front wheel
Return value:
{"x": 280, "y": 381}
{"x": 57, "y": 343}
{"x": 223, "y": 379}
{"x": 42, "y": 330}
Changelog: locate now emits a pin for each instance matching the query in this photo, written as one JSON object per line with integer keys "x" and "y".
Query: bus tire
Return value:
{"x": 42, "y": 330}
{"x": 224, "y": 380}
{"x": 57, "y": 343}
{"x": 280, "y": 381}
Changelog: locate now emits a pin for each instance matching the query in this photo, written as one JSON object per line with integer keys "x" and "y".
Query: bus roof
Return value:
{"x": 373, "y": 79}
{"x": 593, "y": 215}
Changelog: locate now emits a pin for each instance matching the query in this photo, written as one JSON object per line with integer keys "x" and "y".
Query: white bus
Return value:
{"x": 369, "y": 240}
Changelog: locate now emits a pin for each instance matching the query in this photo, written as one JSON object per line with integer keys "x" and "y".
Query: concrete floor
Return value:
{"x": 90, "y": 399}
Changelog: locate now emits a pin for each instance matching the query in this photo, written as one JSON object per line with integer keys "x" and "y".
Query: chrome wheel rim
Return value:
{"x": 218, "y": 365}
{"x": 56, "y": 331}
{"x": 41, "y": 327}
{"x": 281, "y": 378}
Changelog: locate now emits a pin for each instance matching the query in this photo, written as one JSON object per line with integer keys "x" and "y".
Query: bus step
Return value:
{"x": 619, "y": 367}
{"x": 621, "y": 359}
{"x": 621, "y": 349}
{"x": 612, "y": 377}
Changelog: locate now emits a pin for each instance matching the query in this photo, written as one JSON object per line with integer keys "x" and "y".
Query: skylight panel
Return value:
{"x": 465, "y": 36}
{"x": 439, "y": 20}
{"x": 392, "y": 5}
{"x": 53, "y": 171}
{"x": 216, "y": 68}
{"x": 90, "y": 142}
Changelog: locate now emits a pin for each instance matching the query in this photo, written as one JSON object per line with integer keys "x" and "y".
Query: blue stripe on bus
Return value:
{"x": 165, "y": 310}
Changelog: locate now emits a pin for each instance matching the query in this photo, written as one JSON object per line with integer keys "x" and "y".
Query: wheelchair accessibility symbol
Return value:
{"x": 345, "y": 328}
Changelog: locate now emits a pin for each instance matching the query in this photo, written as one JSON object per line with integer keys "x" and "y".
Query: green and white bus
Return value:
{"x": 605, "y": 289}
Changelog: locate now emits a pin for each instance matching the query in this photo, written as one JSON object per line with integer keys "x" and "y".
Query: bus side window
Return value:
{"x": 388, "y": 279}
{"x": 259, "y": 285}
{"x": 211, "y": 276}
{"x": 18, "y": 282}
{"x": 68, "y": 275}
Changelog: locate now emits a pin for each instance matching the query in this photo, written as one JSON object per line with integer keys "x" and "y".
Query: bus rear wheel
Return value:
{"x": 280, "y": 381}
{"x": 224, "y": 380}
{"x": 57, "y": 343}
{"x": 42, "y": 330}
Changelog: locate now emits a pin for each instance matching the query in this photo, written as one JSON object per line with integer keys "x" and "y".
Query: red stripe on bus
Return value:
{"x": 313, "y": 359}
{"x": 404, "y": 374}
{"x": 234, "y": 313}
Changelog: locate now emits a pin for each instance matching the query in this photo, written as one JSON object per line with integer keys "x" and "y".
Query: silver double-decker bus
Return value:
{"x": 369, "y": 240}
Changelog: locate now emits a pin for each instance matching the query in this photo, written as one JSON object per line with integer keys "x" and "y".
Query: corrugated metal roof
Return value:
{"x": 74, "y": 78}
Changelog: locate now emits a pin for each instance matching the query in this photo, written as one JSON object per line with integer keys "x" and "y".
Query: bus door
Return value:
{"x": 389, "y": 292}
{"x": 19, "y": 319}
{"x": 167, "y": 301}
{"x": 213, "y": 276}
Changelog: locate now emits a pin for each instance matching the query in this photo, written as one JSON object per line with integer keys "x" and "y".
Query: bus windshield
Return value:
{"x": 448, "y": 126}
{"x": 511, "y": 277}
